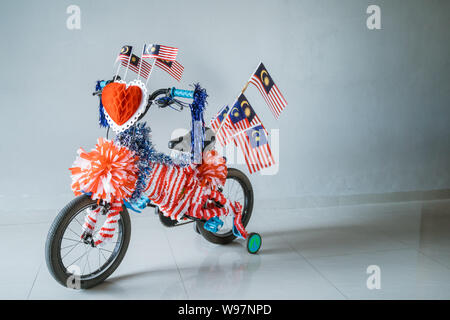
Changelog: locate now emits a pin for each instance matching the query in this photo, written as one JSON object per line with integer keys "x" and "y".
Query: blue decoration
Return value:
{"x": 198, "y": 123}
{"x": 102, "y": 118}
{"x": 182, "y": 93}
{"x": 139, "y": 205}
{"x": 213, "y": 224}
{"x": 137, "y": 138}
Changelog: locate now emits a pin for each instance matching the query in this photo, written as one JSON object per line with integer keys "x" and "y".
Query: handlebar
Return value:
{"x": 181, "y": 93}
{"x": 152, "y": 97}
{"x": 168, "y": 99}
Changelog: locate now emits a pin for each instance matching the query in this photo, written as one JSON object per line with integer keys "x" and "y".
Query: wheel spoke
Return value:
{"x": 69, "y": 246}
{"x": 103, "y": 249}
{"x": 71, "y": 250}
{"x": 87, "y": 260}
{"x": 89, "y": 264}
{"x": 78, "y": 258}
{"x": 70, "y": 239}
{"x": 73, "y": 232}
{"x": 102, "y": 254}
{"x": 76, "y": 219}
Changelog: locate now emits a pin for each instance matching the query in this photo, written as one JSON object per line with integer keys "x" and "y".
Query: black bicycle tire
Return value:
{"x": 56, "y": 231}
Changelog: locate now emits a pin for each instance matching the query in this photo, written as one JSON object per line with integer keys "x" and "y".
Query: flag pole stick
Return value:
{"x": 248, "y": 82}
{"x": 141, "y": 62}
{"x": 118, "y": 69}
{"x": 120, "y": 64}
{"x": 128, "y": 65}
{"x": 151, "y": 70}
{"x": 245, "y": 87}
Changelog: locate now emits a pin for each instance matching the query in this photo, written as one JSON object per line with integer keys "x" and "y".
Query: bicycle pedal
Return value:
{"x": 213, "y": 224}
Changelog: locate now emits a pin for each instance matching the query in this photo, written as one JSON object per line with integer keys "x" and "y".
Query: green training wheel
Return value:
{"x": 254, "y": 242}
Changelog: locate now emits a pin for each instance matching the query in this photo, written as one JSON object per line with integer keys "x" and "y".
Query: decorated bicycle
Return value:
{"x": 91, "y": 234}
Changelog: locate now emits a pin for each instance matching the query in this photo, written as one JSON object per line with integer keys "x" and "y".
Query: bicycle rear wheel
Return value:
{"x": 237, "y": 188}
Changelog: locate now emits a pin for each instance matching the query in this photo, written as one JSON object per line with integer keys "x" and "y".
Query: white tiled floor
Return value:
{"x": 318, "y": 253}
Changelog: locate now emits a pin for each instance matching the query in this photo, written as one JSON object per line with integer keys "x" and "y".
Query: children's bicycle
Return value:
{"x": 81, "y": 248}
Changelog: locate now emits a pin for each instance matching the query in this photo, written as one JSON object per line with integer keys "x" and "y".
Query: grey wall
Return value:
{"x": 368, "y": 110}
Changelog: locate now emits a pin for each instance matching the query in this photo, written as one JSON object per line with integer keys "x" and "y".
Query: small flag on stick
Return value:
{"x": 217, "y": 120}
{"x": 174, "y": 68}
{"x": 160, "y": 52}
{"x": 135, "y": 66}
{"x": 221, "y": 130}
{"x": 248, "y": 117}
{"x": 241, "y": 117}
{"x": 125, "y": 53}
{"x": 269, "y": 90}
{"x": 255, "y": 147}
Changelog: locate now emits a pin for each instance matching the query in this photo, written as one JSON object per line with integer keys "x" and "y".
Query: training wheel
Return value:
{"x": 254, "y": 242}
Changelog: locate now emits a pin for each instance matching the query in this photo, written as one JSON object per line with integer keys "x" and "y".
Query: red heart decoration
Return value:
{"x": 120, "y": 102}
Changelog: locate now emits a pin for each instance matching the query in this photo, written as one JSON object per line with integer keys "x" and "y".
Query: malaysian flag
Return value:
{"x": 174, "y": 68}
{"x": 217, "y": 120}
{"x": 125, "y": 53}
{"x": 269, "y": 90}
{"x": 238, "y": 116}
{"x": 143, "y": 69}
{"x": 255, "y": 147}
{"x": 241, "y": 117}
{"x": 216, "y": 123}
{"x": 226, "y": 131}
{"x": 160, "y": 52}
{"x": 252, "y": 118}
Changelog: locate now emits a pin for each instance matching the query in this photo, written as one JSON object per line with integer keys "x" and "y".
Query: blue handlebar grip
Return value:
{"x": 182, "y": 93}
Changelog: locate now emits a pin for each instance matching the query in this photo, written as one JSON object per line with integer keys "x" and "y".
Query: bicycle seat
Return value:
{"x": 183, "y": 143}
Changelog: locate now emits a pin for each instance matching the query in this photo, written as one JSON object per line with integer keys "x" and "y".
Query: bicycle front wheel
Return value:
{"x": 76, "y": 264}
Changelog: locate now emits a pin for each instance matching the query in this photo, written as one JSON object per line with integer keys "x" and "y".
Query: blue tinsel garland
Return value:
{"x": 101, "y": 111}
{"x": 198, "y": 106}
{"x": 137, "y": 138}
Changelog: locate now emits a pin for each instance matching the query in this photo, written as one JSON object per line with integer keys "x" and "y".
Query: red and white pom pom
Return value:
{"x": 108, "y": 172}
{"x": 213, "y": 170}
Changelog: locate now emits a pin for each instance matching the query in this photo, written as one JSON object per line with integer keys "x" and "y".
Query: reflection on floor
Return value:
{"x": 319, "y": 253}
